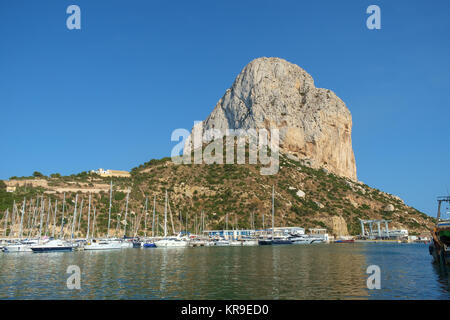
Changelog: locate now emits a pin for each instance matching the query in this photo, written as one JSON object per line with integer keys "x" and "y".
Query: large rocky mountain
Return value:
{"x": 315, "y": 125}
{"x": 315, "y": 186}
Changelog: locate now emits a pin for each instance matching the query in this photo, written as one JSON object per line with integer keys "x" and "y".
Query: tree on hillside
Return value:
{"x": 37, "y": 174}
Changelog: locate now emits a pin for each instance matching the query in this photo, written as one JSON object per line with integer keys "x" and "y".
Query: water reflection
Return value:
{"x": 335, "y": 271}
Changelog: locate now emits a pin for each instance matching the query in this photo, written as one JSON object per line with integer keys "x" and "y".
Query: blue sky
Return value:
{"x": 109, "y": 95}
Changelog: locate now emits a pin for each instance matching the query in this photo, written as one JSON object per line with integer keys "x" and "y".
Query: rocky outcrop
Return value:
{"x": 338, "y": 226}
{"x": 315, "y": 125}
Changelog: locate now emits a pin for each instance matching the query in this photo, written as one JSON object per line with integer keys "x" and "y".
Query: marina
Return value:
{"x": 42, "y": 235}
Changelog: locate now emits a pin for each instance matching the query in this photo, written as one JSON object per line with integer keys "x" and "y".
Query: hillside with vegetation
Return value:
{"x": 306, "y": 197}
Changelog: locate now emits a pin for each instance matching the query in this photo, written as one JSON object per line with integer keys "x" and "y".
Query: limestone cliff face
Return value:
{"x": 315, "y": 125}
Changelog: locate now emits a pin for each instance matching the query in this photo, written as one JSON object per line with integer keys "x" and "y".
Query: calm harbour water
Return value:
{"x": 333, "y": 271}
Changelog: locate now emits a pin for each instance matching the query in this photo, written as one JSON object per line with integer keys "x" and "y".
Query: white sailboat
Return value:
{"x": 101, "y": 244}
{"x": 174, "y": 241}
{"x": 21, "y": 245}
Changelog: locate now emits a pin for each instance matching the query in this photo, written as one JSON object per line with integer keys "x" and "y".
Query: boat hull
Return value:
{"x": 17, "y": 248}
{"x": 277, "y": 242}
{"x": 51, "y": 249}
{"x": 107, "y": 246}
{"x": 171, "y": 244}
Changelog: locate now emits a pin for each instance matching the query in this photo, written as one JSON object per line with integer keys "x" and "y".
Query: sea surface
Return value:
{"x": 318, "y": 271}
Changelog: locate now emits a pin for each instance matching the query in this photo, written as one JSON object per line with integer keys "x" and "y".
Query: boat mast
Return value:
{"x": 171, "y": 217}
{"x": 273, "y": 210}
{"x": 93, "y": 227}
{"x": 109, "y": 212}
{"x": 226, "y": 226}
{"x": 31, "y": 225}
{"x": 30, "y": 210}
{"x": 74, "y": 215}
{"x": 126, "y": 214}
{"x": 165, "y": 217}
{"x": 79, "y": 217}
{"x": 6, "y": 221}
{"x": 41, "y": 216}
{"x": 48, "y": 216}
{"x": 89, "y": 218}
{"x": 145, "y": 218}
{"x": 54, "y": 218}
{"x": 153, "y": 220}
{"x": 62, "y": 218}
{"x": 21, "y": 217}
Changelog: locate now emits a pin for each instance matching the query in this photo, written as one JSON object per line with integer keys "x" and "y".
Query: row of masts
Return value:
{"x": 35, "y": 220}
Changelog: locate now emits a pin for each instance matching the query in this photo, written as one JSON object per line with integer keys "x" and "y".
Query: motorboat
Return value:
{"x": 21, "y": 246}
{"x": 103, "y": 245}
{"x": 306, "y": 239}
{"x": 249, "y": 242}
{"x": 137, "y": 244}
{"x": 171, "y": 242}
{"x": 265, "y": 242}
{"x": 222, "y": 243}
{"x": 149, "y": 245}
{"x": 126, "y": 244}
{"x": 52, "y": 246}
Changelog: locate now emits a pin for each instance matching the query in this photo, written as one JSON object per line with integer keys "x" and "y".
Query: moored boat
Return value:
{"x": 250, "y": 242}
{"x": 52, "y": 246}
{"x": 440, "y": 245}
{"x": 306, "y": 239}
{"x": 345, "y": 241}
{"x": 149, "y": 245}
{"x": 171, "y": 242}
{"x": 21, "y": 246}
{"x": 222, "y": 243}
{"x": 103, "y": 245}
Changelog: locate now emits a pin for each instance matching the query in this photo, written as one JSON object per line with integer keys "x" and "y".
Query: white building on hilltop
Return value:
{"x": 111, "y": 173}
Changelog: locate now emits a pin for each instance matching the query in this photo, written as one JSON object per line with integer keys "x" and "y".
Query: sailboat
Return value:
{"x": 101, "y": 244}
{"x": 274, "y": 240}
{"x": 174, "y": 241}
{"x": 21, "y": 245}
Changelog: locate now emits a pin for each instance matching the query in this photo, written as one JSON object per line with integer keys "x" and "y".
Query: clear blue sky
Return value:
{"x": 110, "y": 94}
